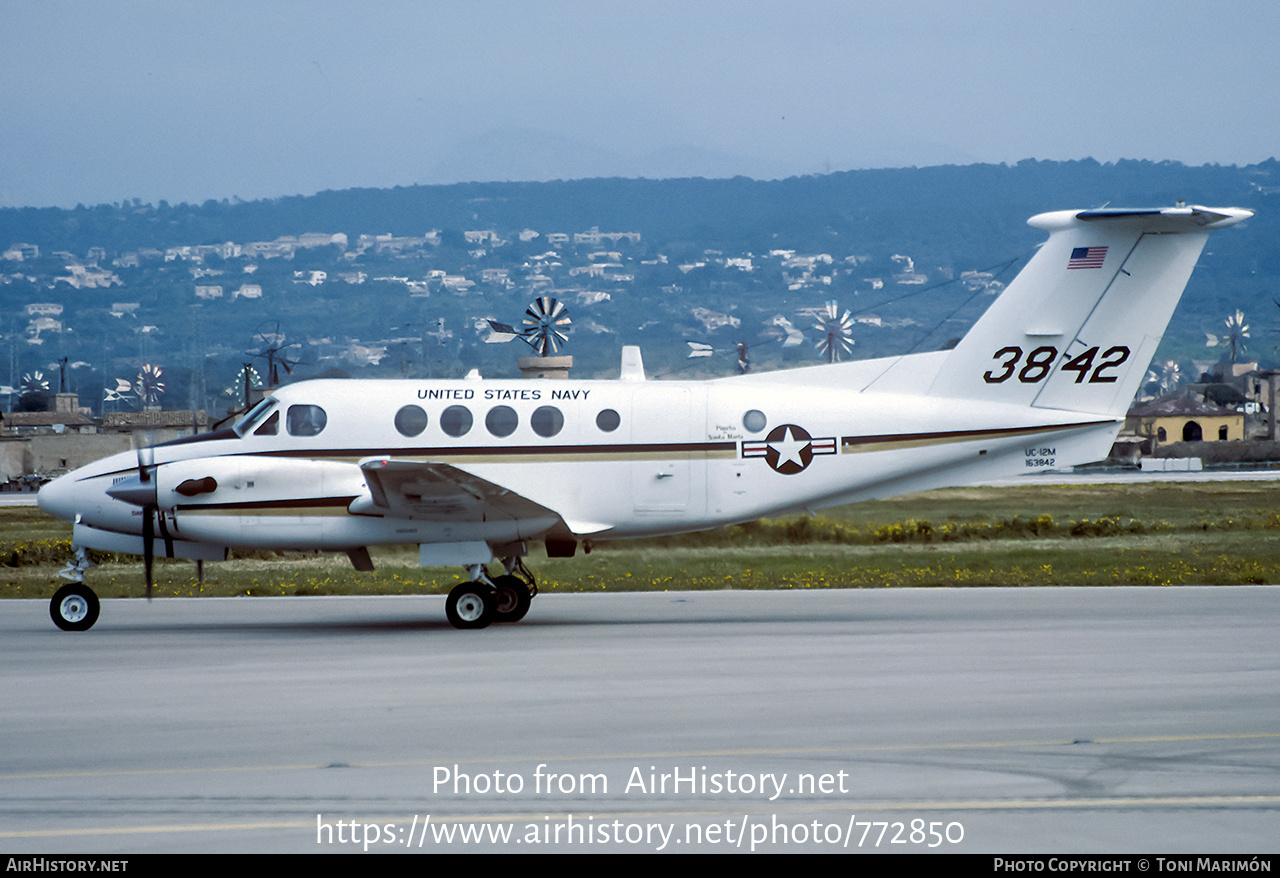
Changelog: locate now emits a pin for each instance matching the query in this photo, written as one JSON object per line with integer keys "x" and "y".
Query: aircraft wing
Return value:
{"x": 440, "y": 492}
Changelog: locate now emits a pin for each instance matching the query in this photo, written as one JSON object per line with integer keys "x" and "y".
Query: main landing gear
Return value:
{"x": 504, "y": 598}
{"x": 475, "y": 604}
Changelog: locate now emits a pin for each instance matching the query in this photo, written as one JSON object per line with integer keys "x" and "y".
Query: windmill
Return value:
{"x": 273, "y": 352}
{"x": 778, "y": 329}
{"x": 119, "y": 392}
{"x": 837, "y": 333}
{"x": 543, "y": 321}
{"x": 1237, "y": 332}
{"x": 1163, "y": 377}
{"x": 33, "y": 392}
{"x": 702, "y": 349}
{"x": 35, "y": 382}
{"x": 149, "y": 386}
{"x": 241, "y": 390}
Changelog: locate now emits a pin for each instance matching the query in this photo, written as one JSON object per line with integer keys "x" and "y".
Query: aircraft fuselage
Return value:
{"x": 612, "y": 459}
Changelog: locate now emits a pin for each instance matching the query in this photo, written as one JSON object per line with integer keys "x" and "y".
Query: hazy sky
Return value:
{"x": 186, "y": 101}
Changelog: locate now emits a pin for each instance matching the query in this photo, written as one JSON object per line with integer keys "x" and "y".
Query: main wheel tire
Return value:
{"x": 470, "y": 605}
{"x": 512, "y": 598}
{"x": 74, "y": 607}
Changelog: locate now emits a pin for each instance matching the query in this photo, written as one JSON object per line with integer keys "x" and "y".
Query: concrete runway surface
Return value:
{"x": 1118, "y": 720}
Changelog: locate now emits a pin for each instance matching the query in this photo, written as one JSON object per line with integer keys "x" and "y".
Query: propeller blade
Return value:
{"x": 148, "y": 546}
{"x": 146, "y": 464}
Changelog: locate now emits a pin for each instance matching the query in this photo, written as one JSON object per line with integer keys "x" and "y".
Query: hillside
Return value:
{"x": 361, "y": 279}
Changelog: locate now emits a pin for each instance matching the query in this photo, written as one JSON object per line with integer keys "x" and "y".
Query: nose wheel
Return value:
{"x": 74, "y": 607}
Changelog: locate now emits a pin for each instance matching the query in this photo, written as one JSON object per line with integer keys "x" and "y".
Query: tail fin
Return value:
{"x": 1077, "y": 328}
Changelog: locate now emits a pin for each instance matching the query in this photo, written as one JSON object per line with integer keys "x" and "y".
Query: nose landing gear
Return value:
{"x": 74, "y": 607}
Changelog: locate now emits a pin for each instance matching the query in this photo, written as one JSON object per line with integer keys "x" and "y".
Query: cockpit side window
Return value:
{"x": 254, "y": 415}
{"x": 305, "y": 420}
{"x": 270, "y": 427}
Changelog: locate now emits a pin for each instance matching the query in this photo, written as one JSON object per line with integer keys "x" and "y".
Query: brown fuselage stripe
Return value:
{"x": 857, "y": 444}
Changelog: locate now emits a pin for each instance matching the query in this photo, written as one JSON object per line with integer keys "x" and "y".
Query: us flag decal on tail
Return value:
{"x": 1087, "y": 257}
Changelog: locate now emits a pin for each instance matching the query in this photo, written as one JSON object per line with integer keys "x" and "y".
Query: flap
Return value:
{"x": 438, "y": 491}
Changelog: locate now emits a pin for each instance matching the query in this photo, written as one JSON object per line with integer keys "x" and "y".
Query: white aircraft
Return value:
{"x": 475, "y": 470}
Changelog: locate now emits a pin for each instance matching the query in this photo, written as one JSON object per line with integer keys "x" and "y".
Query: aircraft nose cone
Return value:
{"x": 57, "y": 498}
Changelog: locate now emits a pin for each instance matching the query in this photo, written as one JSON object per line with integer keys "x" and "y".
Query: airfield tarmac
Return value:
{"x": 1117, "y": 720}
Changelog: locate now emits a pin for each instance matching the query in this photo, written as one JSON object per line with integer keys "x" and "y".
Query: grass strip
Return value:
{"x": 1145, "y": 534}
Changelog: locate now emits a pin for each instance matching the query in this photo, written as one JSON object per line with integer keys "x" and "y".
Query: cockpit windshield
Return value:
{"x": 253, "y": 416}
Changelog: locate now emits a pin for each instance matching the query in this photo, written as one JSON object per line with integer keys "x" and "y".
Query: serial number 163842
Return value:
{"x": 1040, "y": 457}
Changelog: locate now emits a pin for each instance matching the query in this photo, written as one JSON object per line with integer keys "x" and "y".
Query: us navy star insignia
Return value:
{"x": 789, "y": 449}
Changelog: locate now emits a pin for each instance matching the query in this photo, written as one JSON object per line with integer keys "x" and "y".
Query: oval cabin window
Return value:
{"x": 608, "y": 420}
{"x": 501, "y": 421}
{"x": 456, "y": 420}
{"x": 411, "y": 420}
{"x": 547, "y": 421}
{"x": 754, "y": 421}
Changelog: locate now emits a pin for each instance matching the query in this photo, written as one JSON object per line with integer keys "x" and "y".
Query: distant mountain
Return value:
{"x": 540, "y": 156}
{"x": 886, "y": 203}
